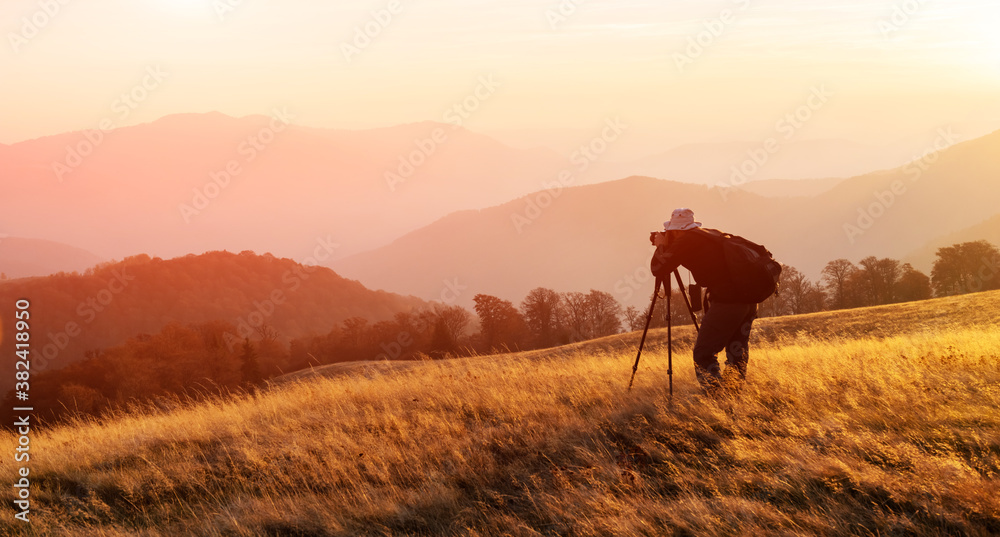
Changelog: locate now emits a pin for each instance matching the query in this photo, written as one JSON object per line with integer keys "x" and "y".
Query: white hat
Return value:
{"x": 681, "y": 220}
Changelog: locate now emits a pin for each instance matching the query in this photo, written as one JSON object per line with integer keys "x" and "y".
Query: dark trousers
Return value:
{"x": 725, "y": 326}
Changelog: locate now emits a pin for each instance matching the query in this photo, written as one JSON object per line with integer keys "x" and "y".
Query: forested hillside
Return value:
{"x": 75, "y": 313}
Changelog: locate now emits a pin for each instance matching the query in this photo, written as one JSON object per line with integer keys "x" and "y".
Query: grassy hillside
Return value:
{"x": 869, "y": 422}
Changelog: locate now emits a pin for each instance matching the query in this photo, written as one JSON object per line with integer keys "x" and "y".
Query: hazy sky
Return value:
{"x": 891, "y": 68}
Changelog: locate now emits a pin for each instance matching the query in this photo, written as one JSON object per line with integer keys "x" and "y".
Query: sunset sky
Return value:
{"x": 894, "y": 69}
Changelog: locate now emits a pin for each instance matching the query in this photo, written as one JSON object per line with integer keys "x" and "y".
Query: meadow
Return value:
{"x": 879, "y": 421}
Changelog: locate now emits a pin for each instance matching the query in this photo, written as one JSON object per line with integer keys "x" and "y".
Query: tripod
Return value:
{"x": 649, "y": 317}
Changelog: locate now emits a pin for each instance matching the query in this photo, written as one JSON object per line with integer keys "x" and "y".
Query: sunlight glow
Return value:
{"x": 240, "y": 57}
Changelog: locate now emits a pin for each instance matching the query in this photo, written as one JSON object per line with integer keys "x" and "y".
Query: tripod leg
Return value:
{"x": 649, "y": 317}
{"x": 670, "y": 340}
{"x": 686, "y": 301}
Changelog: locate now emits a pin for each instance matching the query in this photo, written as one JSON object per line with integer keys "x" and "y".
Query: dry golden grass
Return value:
{"x": 840, "y": 432}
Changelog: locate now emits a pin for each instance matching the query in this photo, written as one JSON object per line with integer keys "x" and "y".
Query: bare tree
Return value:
{"x": 604, "y": 312}
{"x": 803, "y": 295}
{"x": 575, "y": 316}
{"x": 447, "y": 328}
{"x": 779, "y": 303}
{"x": 836, "y": 279}
{"x": 541, "y": 313}
{"x": 455, "y": 320}
{"x": 634, "y": 318}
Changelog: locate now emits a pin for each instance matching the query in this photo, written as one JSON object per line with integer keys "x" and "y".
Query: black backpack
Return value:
{"x": 753, "y": 270}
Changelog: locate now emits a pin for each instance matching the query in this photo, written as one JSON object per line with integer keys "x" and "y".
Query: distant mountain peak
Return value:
{"x": 194, "y": 115}
{"x": 21, "y": 257}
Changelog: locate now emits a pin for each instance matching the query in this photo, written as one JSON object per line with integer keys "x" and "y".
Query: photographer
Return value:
{"x": 727, "y": 323}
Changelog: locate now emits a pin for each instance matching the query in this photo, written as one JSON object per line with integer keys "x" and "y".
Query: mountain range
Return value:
{"x": 427, "y": 208}
{"x": 20, "y": 257}
{"x": 713, "y": 163}
{"x": 988, "y": 230}
{"x": 192, "y": 183}
{"x": 595, "y": 236}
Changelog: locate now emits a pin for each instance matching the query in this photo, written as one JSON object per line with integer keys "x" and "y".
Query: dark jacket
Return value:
{"x": 702, "y": 254}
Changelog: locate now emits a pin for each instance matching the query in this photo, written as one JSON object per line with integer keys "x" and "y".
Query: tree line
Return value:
{"x": 198, "y": 359}
{"x": 101, "y": 308}
{"x": 958, "y": 269}
{"x": 544, "y": 318}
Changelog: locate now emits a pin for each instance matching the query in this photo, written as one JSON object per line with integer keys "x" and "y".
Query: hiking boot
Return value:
{"x": 732, "y": 381}
{"x": 710, "y": 379}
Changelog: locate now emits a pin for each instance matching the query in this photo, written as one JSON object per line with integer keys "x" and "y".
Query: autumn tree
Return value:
{"x": 836, "y": 279}
{"x": 779, "y": 303}
{"x": 605, "y": 313}
{"x": 912, "y": 284}
{"x": 634, "y": 318}
{"x": 803, "y": 295}
{"x": 876, "y": 280}
{"x": 542, "y": 315}
{"x": 356, "y": 339}
{"x": 968, "y": 267}
{"x": 450, "y": 323}
{"x": 189, "y": 360}
{"x": 576, "y": 317}
{"x": 500, "y": 323}
{"x": 249, "y": 368}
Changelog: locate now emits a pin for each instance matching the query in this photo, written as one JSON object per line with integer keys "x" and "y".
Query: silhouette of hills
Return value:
{"x": 75, "y": 313}
{"x": 924, "y": 257}
{"x": 595, "y": 236}
{"x": 591, "y": 236}
{"x": 713, "y": 163}
{"x": 774, "y": 188}
{"x": 21, "y": 257}
{"x": 124, "y": 191}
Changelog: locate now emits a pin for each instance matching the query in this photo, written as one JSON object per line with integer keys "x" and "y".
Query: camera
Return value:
{"x": 653, "y": 234}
